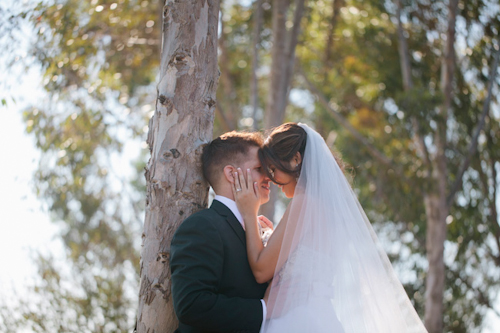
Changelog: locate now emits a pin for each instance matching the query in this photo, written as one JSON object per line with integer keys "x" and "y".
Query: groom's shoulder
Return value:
{"x": 201, "y": 219}
{"x": 204, "y": 214}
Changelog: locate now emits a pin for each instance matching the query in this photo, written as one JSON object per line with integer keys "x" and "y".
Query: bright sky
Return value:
{"x": 24, "y": 227}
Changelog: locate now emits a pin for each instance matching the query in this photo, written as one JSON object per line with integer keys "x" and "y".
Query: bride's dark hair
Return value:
{"x": 281, "y": 146}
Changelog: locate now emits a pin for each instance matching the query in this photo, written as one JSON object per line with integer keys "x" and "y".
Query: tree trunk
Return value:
{"x": 436, "y": 212}
{"x": 327, "y": 60}
{"x": 182, "y": 123}
{"x": 283, "y": 58}
{"x": 272, "y": 117}
{"x": 336, "y": 6}
{"x": 404, "y": 58}
{"x": 435, "y": 202}
{"x": 227, "y": 84}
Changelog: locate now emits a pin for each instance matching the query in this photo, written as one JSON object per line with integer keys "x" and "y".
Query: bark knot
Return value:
{"x": 183, "y": 62}
{"x": 210, "y": 102}
{"x": 166, "y": 10}
{"x": 171, "y": 153}
{"x": 163, "y": 257}
{"x": 167, "y": 103}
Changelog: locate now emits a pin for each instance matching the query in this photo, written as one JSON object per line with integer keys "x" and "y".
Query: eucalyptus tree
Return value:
{"x": 181, "y": 125}
{"x": 375, "y": 71}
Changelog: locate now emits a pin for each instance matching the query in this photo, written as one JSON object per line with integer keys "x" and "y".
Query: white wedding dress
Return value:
{"x": 333, "y": 276}
{"x": 317, "y": 306}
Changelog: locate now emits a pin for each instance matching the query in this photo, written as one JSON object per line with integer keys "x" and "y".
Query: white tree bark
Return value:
{"x": 182, "y": 123}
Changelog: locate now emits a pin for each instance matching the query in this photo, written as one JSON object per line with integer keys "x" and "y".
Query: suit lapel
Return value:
{"x": 225, "y": 212}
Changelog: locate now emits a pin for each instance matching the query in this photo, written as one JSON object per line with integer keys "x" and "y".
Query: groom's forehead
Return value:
{"x": 251, "y": 155}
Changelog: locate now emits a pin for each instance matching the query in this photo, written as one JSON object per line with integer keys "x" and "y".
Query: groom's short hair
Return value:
{"x": 229, "y": 148}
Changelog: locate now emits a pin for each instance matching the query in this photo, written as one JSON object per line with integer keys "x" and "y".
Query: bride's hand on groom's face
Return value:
{"x": 246, "y": 193}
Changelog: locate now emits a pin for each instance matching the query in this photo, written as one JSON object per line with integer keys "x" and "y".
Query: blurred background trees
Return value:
{"x": 368, "y": 75}
{"x": 99, "y": 63}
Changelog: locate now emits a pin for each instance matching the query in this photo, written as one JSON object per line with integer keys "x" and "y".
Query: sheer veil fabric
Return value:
{"x": 332, "y": 274}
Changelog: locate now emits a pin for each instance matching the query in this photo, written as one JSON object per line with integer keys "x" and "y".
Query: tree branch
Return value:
{"x": 474, "y": 141}
{"x": 493, "y": 201}
{"x": 408, "y": 84}
{"x": 494, "y": 211}
{"x": 257, "y": 22}
{"x": 283, "y": 59}
{"x": 336, "y": 5}
{"x": 273, "y": 116}
{"x": 482, "y": 298}
{"x": 293, "y": 38}
{"x": 403, "y": 51}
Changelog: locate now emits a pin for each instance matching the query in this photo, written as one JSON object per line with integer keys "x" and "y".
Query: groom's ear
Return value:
{"x": 229, "y": 171}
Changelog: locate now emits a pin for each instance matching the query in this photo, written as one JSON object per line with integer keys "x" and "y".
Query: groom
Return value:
{"x": 213, "y": 287}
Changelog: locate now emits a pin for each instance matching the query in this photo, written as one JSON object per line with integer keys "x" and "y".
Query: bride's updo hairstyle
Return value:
{"x": 280, "y": 148}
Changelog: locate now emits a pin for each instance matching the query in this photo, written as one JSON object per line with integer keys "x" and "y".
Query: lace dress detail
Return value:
{"x": 304, "y": 257}
{"x": 265, "y": 234}
{"x": 284, "y": 273}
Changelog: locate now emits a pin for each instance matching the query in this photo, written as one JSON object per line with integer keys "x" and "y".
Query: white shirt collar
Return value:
{"x": 232, "y": 207}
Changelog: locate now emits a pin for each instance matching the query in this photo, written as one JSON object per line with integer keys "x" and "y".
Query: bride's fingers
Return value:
{"x": 237, "y": 179}
{"x": 250, "y": 182}
{"x": 255, "y": 185}
{"x": 256, "y": 190}
{"x": 236, "y": 185}
{"x": 233, "y": 188}
{"x": 244, "y": 185}
{"x": 249, "y": 178}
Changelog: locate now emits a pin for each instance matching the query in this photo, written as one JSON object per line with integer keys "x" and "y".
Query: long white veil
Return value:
{"x": 332, "y": 274}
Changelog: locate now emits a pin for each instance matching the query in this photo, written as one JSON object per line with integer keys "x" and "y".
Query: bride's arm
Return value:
{"x": 262, "y": 260}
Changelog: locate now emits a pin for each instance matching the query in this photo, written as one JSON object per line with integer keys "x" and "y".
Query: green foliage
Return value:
{"x": 362, "y": 80}
{"x": 87, "y": 302}
{"x": 99, "y": 89}
{"x": 100, "y": 58}
{"x": 353, "y": 58}
{"x": 421, "y": 104}
{"x": 235, "y": 63}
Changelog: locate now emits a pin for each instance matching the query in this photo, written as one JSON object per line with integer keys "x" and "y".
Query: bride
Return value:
{"x": 328, "y": 271}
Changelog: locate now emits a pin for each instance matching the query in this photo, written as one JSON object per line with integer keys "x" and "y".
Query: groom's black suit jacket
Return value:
{"x": 213, "y": 287}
